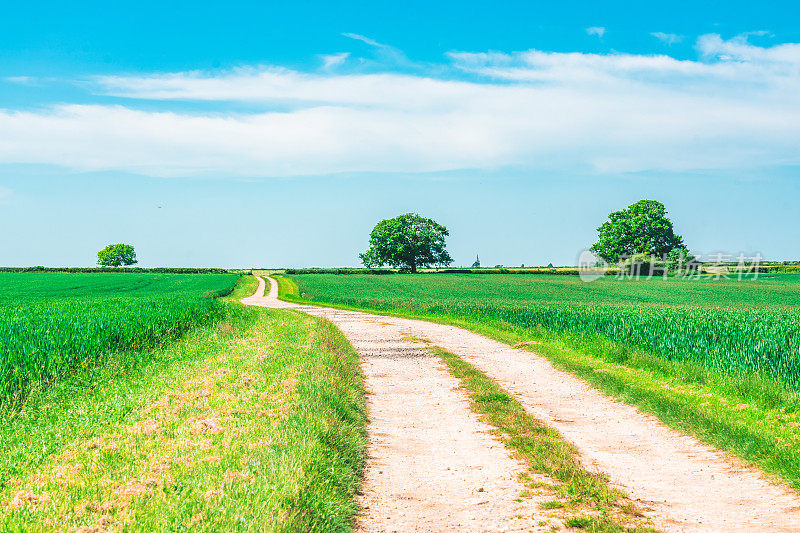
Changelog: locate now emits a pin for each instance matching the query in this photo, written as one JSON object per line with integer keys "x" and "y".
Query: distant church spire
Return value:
{"x": 477, "y": 262}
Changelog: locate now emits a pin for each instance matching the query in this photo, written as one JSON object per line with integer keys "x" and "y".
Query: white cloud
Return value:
{"x": 387, "y": 54}
{"x": 712, "y": 46}
{"x": 727, "y": 66}
{"x": 538, "y": 66}
{"x": 737, "y": 107}
{"x": 332, "y": 61}
{"x": 357, "y": 37}
{"x": 667, "y": 38}
{"x": 22, "y": 80}
{"x": 317, "y": 140}
{"x": 596, "y": 30}
{"x": 269, "y": 84}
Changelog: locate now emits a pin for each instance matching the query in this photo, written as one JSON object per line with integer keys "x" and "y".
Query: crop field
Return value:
{"x": 751, "y": 325}
{"x": 252, "y": 422}
{"x": 53, "y": 322}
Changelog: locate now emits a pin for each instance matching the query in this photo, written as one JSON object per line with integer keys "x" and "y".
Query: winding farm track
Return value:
{"x": 428, "y": 455}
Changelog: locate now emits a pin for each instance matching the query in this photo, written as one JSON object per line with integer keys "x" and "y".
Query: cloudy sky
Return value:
{"x": 277, "y": 134}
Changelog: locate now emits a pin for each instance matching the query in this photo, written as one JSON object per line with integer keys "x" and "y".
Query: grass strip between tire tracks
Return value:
{"x": 584, "y": 500}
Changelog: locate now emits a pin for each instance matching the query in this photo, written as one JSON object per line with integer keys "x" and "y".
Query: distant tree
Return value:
{"x": 116, "y": 255}
{"x": 407, "y": 241}
{"x": 641, "y": 228}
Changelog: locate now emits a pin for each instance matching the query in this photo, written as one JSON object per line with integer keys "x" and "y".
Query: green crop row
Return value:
{"x": 53, "y": 323}
{"x": 749, "y": 340}
{"x": 126, "y": 270}
{"x": 749, "y": 325}
{"x": 559, "y": 271}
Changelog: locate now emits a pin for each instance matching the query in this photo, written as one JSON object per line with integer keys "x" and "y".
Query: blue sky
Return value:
{"x": 277, "y": 134}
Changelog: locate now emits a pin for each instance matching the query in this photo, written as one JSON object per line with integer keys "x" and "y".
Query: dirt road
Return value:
{"x": 429, "y": 454}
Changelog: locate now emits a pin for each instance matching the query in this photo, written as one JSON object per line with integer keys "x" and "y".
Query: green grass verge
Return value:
{"x": 255, "y": 423}
{"x": 290, "y": 292}
{"x": 752, "y": 416}
{"x": 545, "y": 452}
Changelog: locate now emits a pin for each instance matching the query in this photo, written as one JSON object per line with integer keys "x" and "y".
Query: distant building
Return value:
{"x": 477, "y": 263}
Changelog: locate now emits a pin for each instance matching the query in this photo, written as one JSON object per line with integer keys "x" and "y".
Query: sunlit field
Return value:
{"x": 723, "y": 323}
{"x": 52, "y": 322}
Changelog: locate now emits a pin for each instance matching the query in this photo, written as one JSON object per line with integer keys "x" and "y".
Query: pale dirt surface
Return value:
{"x": 689, "y": 486}
{"x": 682, "y": 484}
{"x": 432, "y": 465}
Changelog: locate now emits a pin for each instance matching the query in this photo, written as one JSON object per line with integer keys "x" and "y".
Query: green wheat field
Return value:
{"x": 51, "y": 323}
{"x": 748, "y": 325}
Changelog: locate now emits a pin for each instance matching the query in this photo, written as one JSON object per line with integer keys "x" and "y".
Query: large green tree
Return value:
{"x": 117, "y": 255}
{"x": 640, "y": 229}
{"x": 407, "y": 241}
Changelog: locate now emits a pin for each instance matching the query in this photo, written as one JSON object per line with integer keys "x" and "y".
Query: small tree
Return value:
{"x": 641, "y": 228}
{"x": 408, "y": 241}
{"x": 117, "y": 255}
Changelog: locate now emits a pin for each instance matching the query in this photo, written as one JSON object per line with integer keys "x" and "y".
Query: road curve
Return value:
{"x": 684, "y": 485}
{"x": 432, "y": 465}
